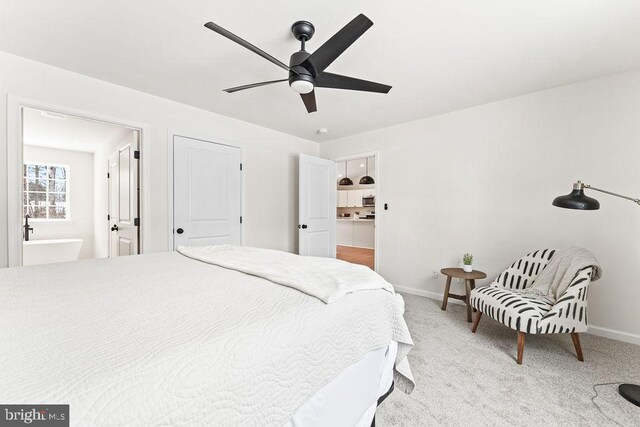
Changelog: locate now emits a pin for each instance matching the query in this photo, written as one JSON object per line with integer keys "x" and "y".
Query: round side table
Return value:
{"x": 469, "y": 285}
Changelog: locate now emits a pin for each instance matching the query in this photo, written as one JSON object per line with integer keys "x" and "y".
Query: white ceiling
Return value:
{"x": 439, "y": 55}
{"x": 67, "y": 132}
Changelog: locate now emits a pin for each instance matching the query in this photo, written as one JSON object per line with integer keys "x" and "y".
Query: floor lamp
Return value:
{"x": 578, "y": 200}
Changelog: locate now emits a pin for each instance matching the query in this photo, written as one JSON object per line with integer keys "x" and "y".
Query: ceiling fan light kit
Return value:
{"x": 307, "y": 70}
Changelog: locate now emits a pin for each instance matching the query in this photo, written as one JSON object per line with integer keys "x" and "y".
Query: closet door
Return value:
{"x": 207, "y": 192}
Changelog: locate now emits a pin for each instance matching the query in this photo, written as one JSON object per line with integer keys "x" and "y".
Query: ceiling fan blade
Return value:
{"x": 228, "y": 34}
{"x": 252, "y": 85}
{"x": 309, "y": 100}
{"x": 337, "y": 81}
{"x": 332, "y": 48}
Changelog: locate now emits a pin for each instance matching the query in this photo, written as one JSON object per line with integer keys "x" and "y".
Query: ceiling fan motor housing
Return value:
{"x": 303, "y": 30}
{"x": 300, "y": 79}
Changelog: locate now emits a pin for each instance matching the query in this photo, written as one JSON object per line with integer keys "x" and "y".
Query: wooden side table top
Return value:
{"x": 461, "y": 274}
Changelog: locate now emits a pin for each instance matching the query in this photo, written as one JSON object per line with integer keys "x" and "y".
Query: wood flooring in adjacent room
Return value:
{"x": 356, "y": 255}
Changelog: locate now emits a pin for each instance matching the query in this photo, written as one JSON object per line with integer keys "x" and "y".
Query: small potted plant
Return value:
{"x": 467, "y": 261}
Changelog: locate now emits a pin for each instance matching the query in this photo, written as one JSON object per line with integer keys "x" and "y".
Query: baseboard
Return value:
{"x": 593, "y": 330}
{"x": 427, "y": 294}
{"x": 614, "y": 334}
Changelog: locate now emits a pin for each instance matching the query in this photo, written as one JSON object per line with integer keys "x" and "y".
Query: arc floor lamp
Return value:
{"x": 578, "y": 200}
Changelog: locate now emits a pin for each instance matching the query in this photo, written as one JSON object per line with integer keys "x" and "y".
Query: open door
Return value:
{"x": 317, "y": 207}
{"x": 124, "y": 198}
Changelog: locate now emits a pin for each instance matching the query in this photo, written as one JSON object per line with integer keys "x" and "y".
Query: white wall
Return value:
{"x": 79, "y": 225}
{"x": 482, "y": 180}
{"x": 270, "y": 156}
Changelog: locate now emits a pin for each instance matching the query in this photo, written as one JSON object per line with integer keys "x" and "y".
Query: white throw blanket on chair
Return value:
{"x": 556, "y": 277}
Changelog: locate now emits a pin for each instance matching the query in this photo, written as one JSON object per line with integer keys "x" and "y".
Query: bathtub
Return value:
{"x": 50, "y": 251}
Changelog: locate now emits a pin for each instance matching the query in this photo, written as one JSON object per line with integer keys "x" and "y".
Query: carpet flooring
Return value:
{"x": 464, "y": 378}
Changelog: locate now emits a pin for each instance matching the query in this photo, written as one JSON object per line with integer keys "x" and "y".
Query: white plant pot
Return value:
{"x": 467, "y": 268}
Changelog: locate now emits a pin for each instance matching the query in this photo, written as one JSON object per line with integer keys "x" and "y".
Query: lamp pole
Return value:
{"x": 578, "y": 200}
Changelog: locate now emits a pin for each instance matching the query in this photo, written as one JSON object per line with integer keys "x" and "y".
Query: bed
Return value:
{"x": 183, "y": 339}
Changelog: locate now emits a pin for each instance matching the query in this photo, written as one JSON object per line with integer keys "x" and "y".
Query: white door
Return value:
{"x": 207, "y": 193}
{"x": 317, "y": 207}
{"x": 124, "y": 198}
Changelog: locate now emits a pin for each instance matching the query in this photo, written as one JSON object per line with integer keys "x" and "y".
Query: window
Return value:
{"x": 45, "y": 191}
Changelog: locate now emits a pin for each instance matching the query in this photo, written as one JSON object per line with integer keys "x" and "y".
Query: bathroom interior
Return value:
{"x": 66, "y": 188}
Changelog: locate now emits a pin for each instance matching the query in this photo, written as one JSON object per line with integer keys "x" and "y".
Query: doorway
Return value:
{"x": 207, "y": 193}
{"x": 65, "y": 209}
{"x": 356, "y": 183}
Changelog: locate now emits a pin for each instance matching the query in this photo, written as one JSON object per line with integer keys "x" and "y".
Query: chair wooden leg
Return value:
{"x": 576, "y": 343}
{"x": 473, "y": 286}
{"x": 474, "y": 327}
{"x": 520, "y": 347}
{"x": 445, "y": 299}
{"x": 467, "y": 287}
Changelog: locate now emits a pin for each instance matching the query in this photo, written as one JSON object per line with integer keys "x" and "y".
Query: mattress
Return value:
{"x": 163, "y": 339}
{"x": 352, "y": 397}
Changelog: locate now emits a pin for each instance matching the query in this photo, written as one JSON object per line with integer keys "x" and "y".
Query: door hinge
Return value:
{"x": 240, "y": 166}
{"x": 240, "y": 220}
{"x": 108, "y": 217}
{"x": 136, "y": 155}
{"x": 136, "y": 222}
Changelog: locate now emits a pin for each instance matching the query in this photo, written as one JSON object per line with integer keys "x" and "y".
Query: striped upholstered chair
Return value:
{"x": 529, "y": 313}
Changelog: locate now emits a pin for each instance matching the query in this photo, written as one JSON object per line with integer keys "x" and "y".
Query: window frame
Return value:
{"x": 67, "y": 191}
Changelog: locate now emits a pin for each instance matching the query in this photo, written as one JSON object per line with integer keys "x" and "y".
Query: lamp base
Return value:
{"x": 631, "y": 392}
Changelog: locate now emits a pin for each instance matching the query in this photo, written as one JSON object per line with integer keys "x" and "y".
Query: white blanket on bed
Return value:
{"x": 162, "y": 339}
{"x": 324, "y": 278}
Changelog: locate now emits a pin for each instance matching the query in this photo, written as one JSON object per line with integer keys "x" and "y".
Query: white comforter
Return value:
{"x": 327, "y": 279}
{"x": 164, "y": 339}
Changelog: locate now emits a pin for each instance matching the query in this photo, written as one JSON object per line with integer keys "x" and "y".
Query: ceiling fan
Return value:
{"x": 306, "y": 70}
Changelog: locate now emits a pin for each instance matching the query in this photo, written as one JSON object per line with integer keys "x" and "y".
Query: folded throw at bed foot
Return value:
{"x": 327, "y": 279}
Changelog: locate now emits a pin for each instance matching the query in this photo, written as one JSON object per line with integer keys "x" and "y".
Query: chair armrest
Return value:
{"x": 569, "y": 313}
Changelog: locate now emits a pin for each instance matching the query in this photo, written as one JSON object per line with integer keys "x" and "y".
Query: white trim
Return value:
{"x": 171, "y": 134}
{"x": 427, "y": 294}
{"x": 593, "y": 330}
{"x": 378, "y": 220}
{"x": 614, "y": 334}
{"x": 15, "y": 105}
{"x": 358, "y": 156}
{"x": 354, "y": 246}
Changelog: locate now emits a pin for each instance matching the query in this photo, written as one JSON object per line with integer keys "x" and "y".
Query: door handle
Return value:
{"x": 303, "y": 226}
{"x": 114, "y": 228}
{"x": 179, "y": 231}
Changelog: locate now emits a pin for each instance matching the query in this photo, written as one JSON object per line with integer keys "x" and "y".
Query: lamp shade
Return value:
{"x": 367, "y": 180}
{"x": 577, "y": 200}
{"x": 345, "y": 181}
